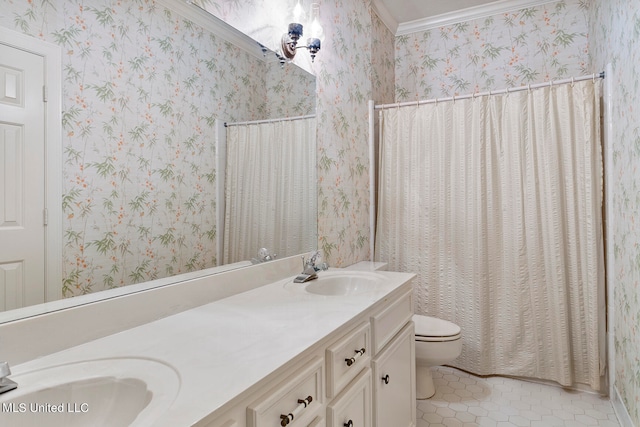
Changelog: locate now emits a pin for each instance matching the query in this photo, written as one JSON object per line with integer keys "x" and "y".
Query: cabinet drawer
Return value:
{"x": 346, "y": 357}
{"x": 389, "y": 321}
{"x": 352, "y": 406}
{"x": 288, "y": 404}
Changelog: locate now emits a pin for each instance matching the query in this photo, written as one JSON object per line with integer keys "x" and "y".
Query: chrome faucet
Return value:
{"x": 310, "y": 268}
{"x": 5, "y": 383}
{"x": 264, "y": 255}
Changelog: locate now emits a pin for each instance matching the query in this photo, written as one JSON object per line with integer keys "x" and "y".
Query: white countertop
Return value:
{"x": 223, "y": 348}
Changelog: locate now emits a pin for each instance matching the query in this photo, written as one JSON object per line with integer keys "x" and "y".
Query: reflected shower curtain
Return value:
{"x": 495, "y": 203}
{"x": 270, "y": 189}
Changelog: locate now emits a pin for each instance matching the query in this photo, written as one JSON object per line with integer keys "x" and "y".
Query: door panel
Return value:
{"x": 22, "y": 179}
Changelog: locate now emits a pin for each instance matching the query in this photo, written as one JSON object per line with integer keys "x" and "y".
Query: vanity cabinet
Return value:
{"x": 361, "y": 375}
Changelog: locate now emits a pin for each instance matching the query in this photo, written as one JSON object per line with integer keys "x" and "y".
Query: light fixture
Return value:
{"x": 289, "y": 43}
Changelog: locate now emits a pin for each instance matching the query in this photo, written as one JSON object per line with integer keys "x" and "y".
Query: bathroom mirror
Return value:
{"x": 144, "y": 142}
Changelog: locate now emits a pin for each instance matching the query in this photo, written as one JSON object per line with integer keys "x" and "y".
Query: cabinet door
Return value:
{"x": 352, "y": 407}
{"x": 394, "y": 383}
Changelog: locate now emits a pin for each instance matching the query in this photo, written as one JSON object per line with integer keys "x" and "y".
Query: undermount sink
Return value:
{"x": 342, "y": 283}
{"x": 105, "y": 392}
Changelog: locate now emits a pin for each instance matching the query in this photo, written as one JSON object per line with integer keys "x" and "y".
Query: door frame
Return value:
{"x": 52, "y": 55}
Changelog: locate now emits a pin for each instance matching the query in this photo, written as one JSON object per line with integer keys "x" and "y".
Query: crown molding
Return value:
{"x": 194, "y": 13}
{"x": 468, "y": 14}
{"x": 385, "y": 16}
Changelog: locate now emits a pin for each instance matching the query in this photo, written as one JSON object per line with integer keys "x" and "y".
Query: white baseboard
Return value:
{"x": 621, "y": 411}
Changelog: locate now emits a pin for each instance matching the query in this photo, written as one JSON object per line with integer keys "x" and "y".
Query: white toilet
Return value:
{"x": 437, "y": 342}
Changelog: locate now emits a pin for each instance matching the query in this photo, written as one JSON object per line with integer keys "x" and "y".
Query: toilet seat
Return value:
{"x": 432, "y": 329}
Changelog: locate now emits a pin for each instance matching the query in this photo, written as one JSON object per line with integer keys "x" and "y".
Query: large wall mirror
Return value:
{"x": 170, "y": 118}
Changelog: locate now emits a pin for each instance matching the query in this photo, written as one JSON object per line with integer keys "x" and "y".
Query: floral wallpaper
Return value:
{"x": 142, "y": 88}
{"x": 533, "y": 45}
{"x": 138, "y": 154}
{"x": 615, "y": 29}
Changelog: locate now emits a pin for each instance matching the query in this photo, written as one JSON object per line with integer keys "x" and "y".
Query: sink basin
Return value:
{"x": 105, "y": 392}
{"x": 343, "y": 283}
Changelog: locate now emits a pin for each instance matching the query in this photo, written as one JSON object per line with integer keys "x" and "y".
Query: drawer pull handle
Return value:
{"x": 348, "y": 424}
{"x": 302, "y": 403}
{"x": 350, "y": 361}
{"x": 385, "y": 379}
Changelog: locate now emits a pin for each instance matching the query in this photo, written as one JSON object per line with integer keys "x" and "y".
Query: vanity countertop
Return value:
{"x": 221, "y": 349}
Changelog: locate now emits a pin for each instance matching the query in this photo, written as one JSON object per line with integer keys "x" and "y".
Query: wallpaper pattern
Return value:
{"x": 529, "y": 46}
{"x": 615, "y": 29}
{"x": 142, "y": 88}
{"x": 120, "y": 168}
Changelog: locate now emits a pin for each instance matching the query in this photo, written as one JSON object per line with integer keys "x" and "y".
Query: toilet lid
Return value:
{"x": 426, "y": 326}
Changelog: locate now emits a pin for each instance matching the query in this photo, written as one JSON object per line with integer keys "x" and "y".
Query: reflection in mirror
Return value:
{"x": 270, "y": 170}
{"x": 145, "y": 91}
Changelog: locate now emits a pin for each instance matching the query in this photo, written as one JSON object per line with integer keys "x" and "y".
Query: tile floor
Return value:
{"x": 465, "y": 400}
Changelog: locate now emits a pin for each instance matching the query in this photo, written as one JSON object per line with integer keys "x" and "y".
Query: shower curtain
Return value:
{"x": 270, "y": 169}
{"x": 495, "y": 202}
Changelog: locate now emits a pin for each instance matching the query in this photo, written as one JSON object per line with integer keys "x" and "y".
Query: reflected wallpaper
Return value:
{"x": 142, "y": 88}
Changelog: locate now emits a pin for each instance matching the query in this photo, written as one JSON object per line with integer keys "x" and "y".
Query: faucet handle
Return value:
{"x": 324, "y": 266}
{"x": 5, "y": 371}
{"x": 313, "y": 258}
{"x": 5, "y": 383}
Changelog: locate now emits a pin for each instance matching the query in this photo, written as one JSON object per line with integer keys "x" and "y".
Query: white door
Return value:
{"x": 22, "y": 179}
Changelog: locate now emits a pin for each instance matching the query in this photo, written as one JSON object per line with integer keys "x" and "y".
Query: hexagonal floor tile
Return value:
{"x": 463, "y": 399}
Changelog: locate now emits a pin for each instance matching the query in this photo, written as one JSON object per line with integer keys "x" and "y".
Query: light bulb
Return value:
{"x": 315, "y": 29}
{"x": 298, "y": 13}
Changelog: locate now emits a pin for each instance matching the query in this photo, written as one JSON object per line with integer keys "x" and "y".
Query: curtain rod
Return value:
{"x": 256, "y": 122}
{"x": 492, "y": 92}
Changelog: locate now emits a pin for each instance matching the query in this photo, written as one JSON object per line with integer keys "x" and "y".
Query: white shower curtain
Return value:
{"x": 495, "y": 202}
{"x": 271, "y": 168}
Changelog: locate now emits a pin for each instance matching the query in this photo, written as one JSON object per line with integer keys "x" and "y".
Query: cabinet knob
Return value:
{"x": 348, "y": 424}
{"x": 385, "y": 379}
{"x": 284, "y": 420}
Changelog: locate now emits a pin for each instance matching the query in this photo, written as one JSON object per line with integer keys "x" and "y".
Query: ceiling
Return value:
{"x": 409, "y": 16}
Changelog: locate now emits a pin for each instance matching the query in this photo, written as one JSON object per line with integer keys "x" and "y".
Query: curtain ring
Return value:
{"x": 529, "y": 87}
{"x": 572, "y": 81}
